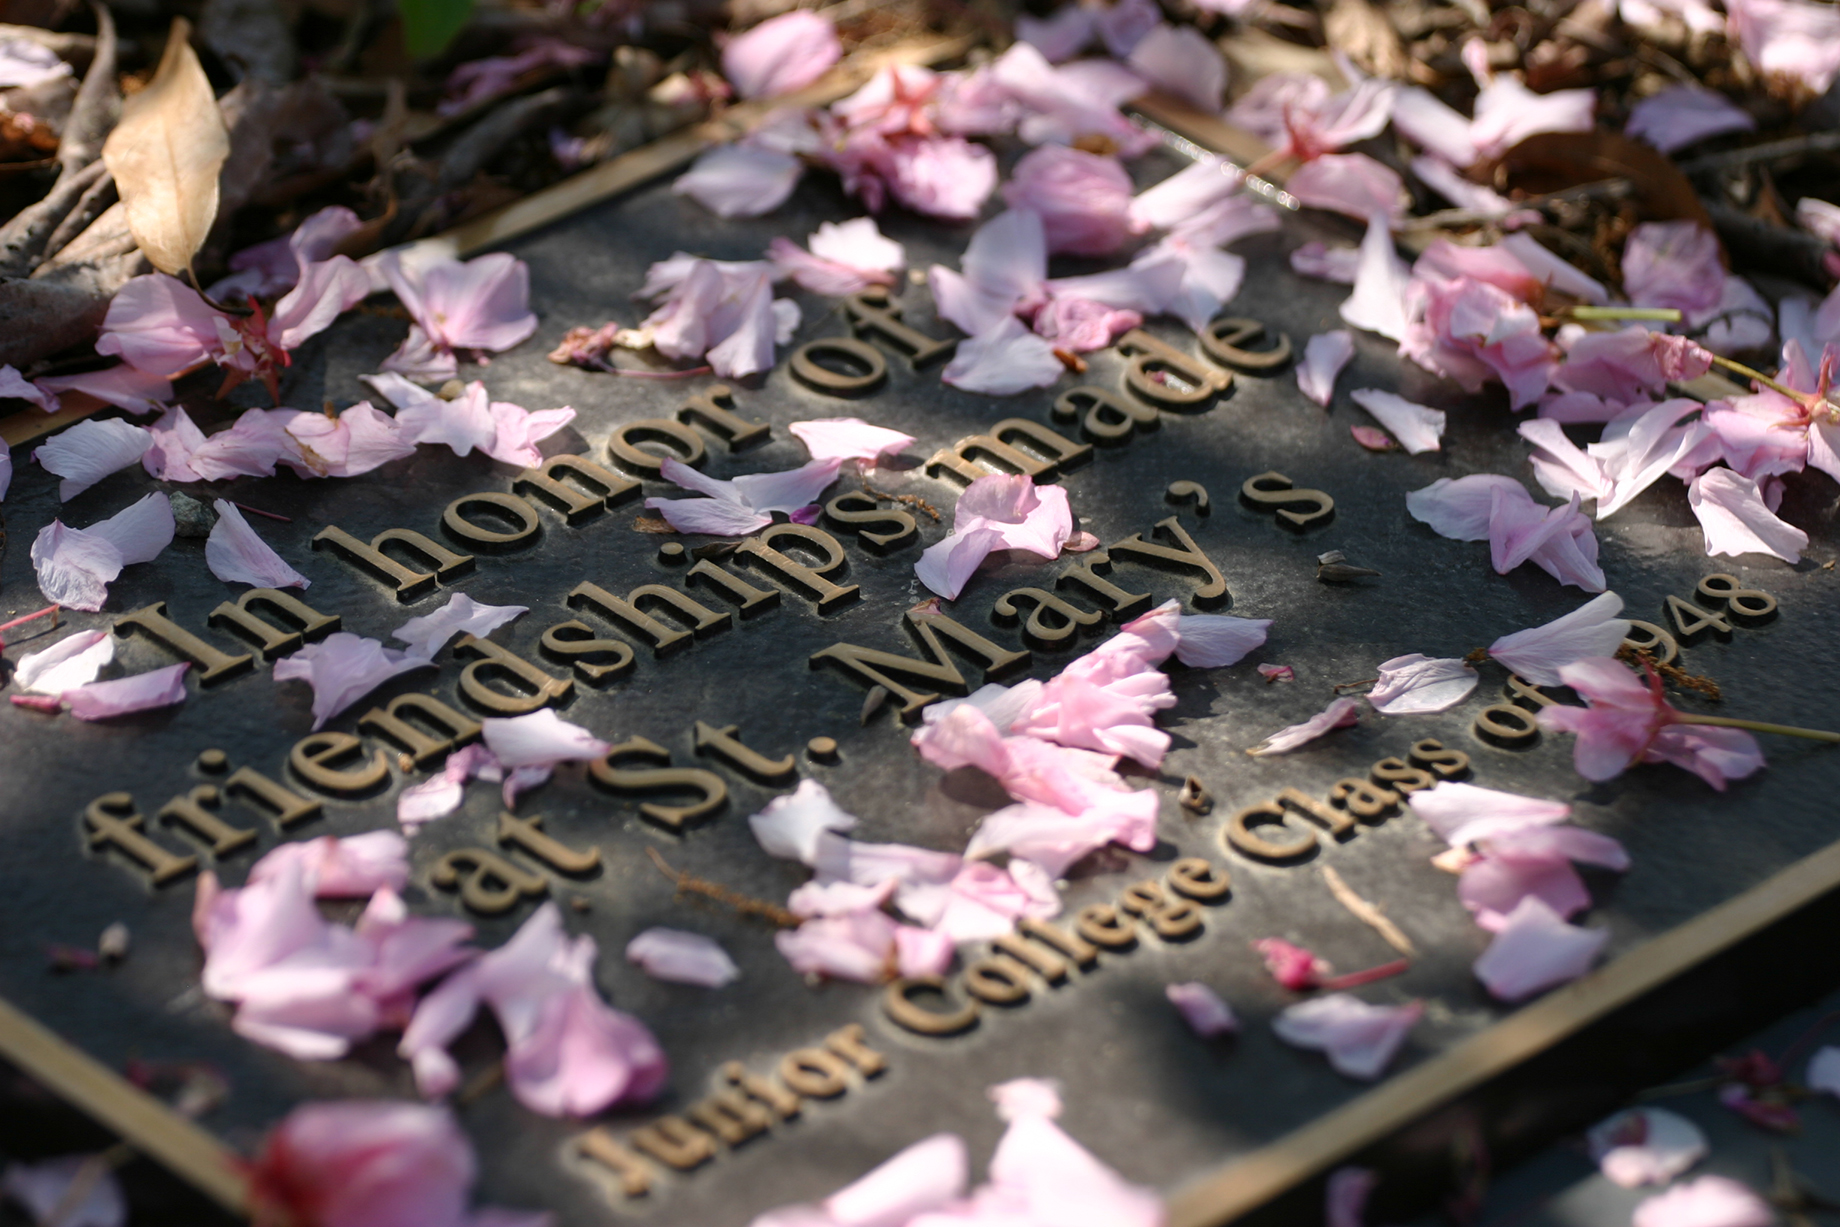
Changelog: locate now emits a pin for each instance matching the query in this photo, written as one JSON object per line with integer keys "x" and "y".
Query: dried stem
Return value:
{"x": 1677, "y": 677}
{"x": 31, "y": 617}
{"x": 912, "y": 500}
{"x": 687, "y": 884}
{"x": 1355, "y": 979}
{"x": 1367, "y": 913}
{"x": 1760, "y": 726}
{"x": 273, "y": 515}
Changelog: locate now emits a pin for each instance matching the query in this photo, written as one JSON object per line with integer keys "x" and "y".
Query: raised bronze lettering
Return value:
{"x": 1110, "y": 418}
{"x": 682, "y": 444}
{"x": 1053, "y": 623}
{"x": 1239, "y": 835}
{"x": 762, "y": 551}
{"x": 748, "y": 599}
{"x": 408, "y": 582}
{"x": 635, "y": 1173}
{"x": 459, "y": 522}
{"x": 666, "y": 639}
{"x": 675, "y": 1142}
{"x": 844, "y": 351}
{"x": 111, "y": 820}
{"x": 389, "y": 721}
{"x": 299, "y": 622}
{"x": 898, "y": 1003}
{"x": 489, "y": 884}
{"x": 315, "y": 758}
{"x": 1275, "y": 491}
{"x": 581, "y": 645}
{"x": 603, "y": 488}
{"x": 716, "y": 410}
{"x": 857, "y": 510}
{"x": 213, "y": 666}
{"x": 1121, "y": 604}
{"x": 188, "y": 810}
{"x": 872, "y": 312}
{"x": 714, "y": 792}
{"x": 528, "y": 834}
{"x": 531, "y": 687}
{"x": 877, "y": 667}
{"x": 285, "y": 807}
{"x": 725, "y": 745}
{"x": 1151, "y": 358}
{"x": 814, "y": 1073}
{"x": 1184, "y": 555}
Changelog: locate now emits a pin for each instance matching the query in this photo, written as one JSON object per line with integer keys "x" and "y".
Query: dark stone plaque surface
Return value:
{"x": 1143, "y": 1093}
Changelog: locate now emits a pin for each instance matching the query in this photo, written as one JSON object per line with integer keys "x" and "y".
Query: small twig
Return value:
{"x": 31, "y": 617}
{"x": 273, "y": 515}
{"x": 1675, "y": 675}
{"x": 1367, "y": 913}
{"x": 1760, "y": 726}
{"x": 912, "y": 500}
{"x": 1341, "y": 686}
{"x": 609, "y": 369}
{"x": 686, "y": 884}
{"x": 1814, "y": 142}
{"x": 1355, "y": 979}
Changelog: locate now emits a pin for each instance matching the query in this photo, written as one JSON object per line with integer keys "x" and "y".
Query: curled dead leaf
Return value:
{"x": 1554, "y": 161}
{"x": 165, "y": 156}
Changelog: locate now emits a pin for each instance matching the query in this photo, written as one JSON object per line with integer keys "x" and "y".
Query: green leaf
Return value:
{"x": 429, "y": 25}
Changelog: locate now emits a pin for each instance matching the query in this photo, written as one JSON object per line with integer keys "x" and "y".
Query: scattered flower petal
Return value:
{"x": 1340, "y": 714}
{"x": 849, "y": 439}
{"x": 1417, "y": 684}
{"x": 781, "y": 55}
{"x": 791, "y": 826}
{"x": 1003, "y": 360}
{"x": 1324, "y": 356}
{"x": 1645, "y": 1146}
{"x": 1359, "y": 1039}
{"x": 1710, "y": 1201}
{"x": 342, "y": 668}
{"x": 142, "y": 692}
{"x": 90, "y": 451}
{"x": 431, "y": 632}
{"x": 72, "y": 661}
{"x": 682, "y": 958}
{"x": 1539, "y": 652}
{"x": 237, "y": 555}
{"x": 1683, "y": 115}
{"x": 1418, "y": 427}
{"x": 1736, "y": 520}
{"x": 1202, "y": 1009}
{"x": 1535, "y": 950}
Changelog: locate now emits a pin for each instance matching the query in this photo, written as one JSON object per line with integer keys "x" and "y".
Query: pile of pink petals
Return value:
{"x": 722, "y": 312}
{"x": 1087, "y": 207}
{"x": 1488, "y": 507}
{"x": 1515, "y": 863}
{"x": 457, "y": 307}
{"x": 361, "y": 1163}
{"x": 1001, "y": 511}
{"x": 311, "y": 987}
{"x": 1037, "y": 1175}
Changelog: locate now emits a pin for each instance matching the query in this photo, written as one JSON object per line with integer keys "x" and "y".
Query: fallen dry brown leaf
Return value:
{"x": 165, "y": 155}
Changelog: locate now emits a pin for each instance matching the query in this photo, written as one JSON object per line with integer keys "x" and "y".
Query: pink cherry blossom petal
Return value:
{"x": 72, "y": 661}
{"x": 141, "y": 692}
{"x": 1060, "y": 36}
{"x": 1359, "y": 1039}
{"x": 1736, "y": 520}
{"x": 1373, "y": 439}
{"x": 91, "y": 450}
{"x": 237, "y": 555}
{"x": 540, "y": 739}
{"x": 1020, "y": 1097}
{"x": 682, "y": 958}
{"x": 23, "y": 64}
{"x": 1673, "y": 264}
{"x": 1417, "y": 427}
{"x": 342, "y": 668}
{"x": 1213, "y": 641}
{"x": 1418, "y": 684}
{"x": 1202, "y": 1009}
{"x": 849, "y": 439}
{"x": 1539, "y": 652}
{"x": 431, "y": 632}
{"x": 790, "y": 826}
{"x": 1277, "y": 673}
{"x": 1465, "y": 813}
{"x": 1040, "y": 1175}
{"x": 1083, "y": 199}
{"x": 352, "y": 867}
{"x": 1003, "y": 361}
{"x": 368, "y": 1163}
{"x": 1683, "y": 115}
{"x": 1709, "y": 1201}
{"x": 1314, "y": 259}
{"x": 1645, "y": 1146}
{"x": 1423, "y": 118}
{"x": 781, "y": 54}
{"x": 1324, "y": 356}
{"x": 122, "y": 386}
{"x": 1349, "y": 183}
{"x": 928, "y": 1176}
{"x": 1792, "y": 38}
{"x": 740, "y": 180}
{"x": 1187, "y": 194}
{"x": 1180, "y": 61}
{"x": 1340, "y": 714}
{"x": 1507, "y": 113}
{"x": 1381, "y": 280}
{"x": 159, "y": 325}
{"x": 74, "y": 567}
{"x": 1345, "y": 1198}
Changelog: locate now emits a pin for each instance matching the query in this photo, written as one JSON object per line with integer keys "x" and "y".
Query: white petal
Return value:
{"x": 1535, "y": 950}
{"x": 237, "y": 556}
{"x": 1645, "y": 1146}
{"x": 74, "y": 567}
{"x": 1003, "y": 361}
{"x": 66, "y": 664}
{"x": 1418, "y": 684}
{"x": 1539, "y": 652}
{"x": 1210, "y": 641}
{"x": 140, "y": 531}
{"x": 683, "y": 958}
{"x": 90, "y": 451}
{"x": 790, "y": 826}
{"x": 1417, "y": 427}
{"x": 540, "y": 739}
{"x": 1737, "y": 521}
{"x": 141, "y": 692}
{"x": 1323, "y": 359}
{"x": 431, "y": 632}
